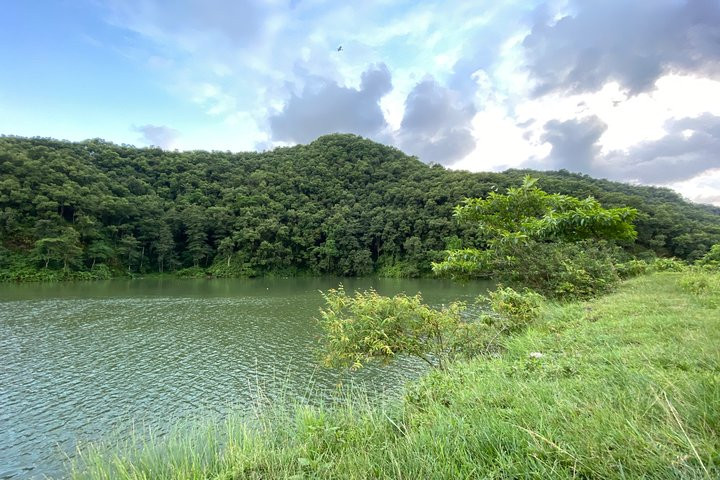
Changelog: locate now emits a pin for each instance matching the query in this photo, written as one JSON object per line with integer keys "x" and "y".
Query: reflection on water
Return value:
{"x": 80, "y": 360}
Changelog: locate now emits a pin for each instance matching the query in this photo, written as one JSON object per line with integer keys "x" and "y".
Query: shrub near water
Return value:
{"x": 566, "y": 271}
{"x": 368, "y": 327}
{"x": 514, "y": 310}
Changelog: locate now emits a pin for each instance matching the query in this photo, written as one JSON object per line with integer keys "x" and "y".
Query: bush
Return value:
{"x": 238, "y": 268}
{"x": 101, "y": 272}
{"x": 632, "y": 268}
{"x": 704, "y": 285}
{"x": 514, "y": 310}
{"x": 191, "y": 272}
{"x": 668, "y": 265}
{"x": 711, "y": 260}
{"x": 398, "y": 269}
{"x": 567, "y": 271}
{"x": 369, "y": 327}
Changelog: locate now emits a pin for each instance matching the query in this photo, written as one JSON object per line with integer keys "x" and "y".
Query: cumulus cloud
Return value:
{"x": 326, "y": 107}
{"x": 688, "y": 150}
{"x": 691, "y": 147}
{"x": 633, "y": 43}
{"x": 436, "y": 125}
{"x": 158, "y": 135}
{"x": 576, "y": 84}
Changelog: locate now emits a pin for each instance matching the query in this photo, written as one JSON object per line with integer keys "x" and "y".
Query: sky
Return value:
{"x": 627, "y": 90}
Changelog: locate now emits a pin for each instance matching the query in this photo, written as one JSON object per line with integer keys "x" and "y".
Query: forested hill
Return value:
{"x": 341, "y": 205}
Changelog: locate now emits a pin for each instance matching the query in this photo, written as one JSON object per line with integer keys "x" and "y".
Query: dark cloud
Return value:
{"x": 633, "y": 43}
{"x": 436, "y": 126}
{"x": 691, "y": 147}
{"x": 574, "y": 143}
{"x": 325, "y": 107}
{"x": 158, "y": 135}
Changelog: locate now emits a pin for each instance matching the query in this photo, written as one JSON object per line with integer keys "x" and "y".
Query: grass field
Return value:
{"x": 626, "y": 386}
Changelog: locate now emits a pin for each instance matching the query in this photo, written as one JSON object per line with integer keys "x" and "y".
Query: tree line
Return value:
{"x": 341, "y": 205}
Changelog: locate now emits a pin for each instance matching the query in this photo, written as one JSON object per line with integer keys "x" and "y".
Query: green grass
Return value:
{"x": 628, "y": 386}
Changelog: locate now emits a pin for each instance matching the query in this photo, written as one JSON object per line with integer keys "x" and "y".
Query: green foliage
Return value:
{"x": 554, "y": 244}
{"x": 564, "y": 270}
{"x": 367, "y": 326}
{"x": 231, "y": 266}
{"x": 711, "y": 260}
{"x": 704, "y": 285}
{"x": 632, "y": 268}
{"x": 101, "y": 272}
{"x": 341, "y": 205}
{"x": 668, "y": 265}
{"x": 528, "y": 213}
{"x": 514, "y": 310}
{"x": 191, "y": 272}
{"x": 64, "y": 249}
{"x": 398, "y": 269}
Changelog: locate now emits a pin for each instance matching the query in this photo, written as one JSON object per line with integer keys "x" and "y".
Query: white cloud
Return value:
{"x": 704, "y": 188}
{"x": 514, "y": 129}
{"x": 500, "y": 143}
{"x": 158, "y": 135}
{"x": 605, "y": 69}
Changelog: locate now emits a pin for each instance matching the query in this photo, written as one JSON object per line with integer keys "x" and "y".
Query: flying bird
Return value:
{"x": 339, "y": 48}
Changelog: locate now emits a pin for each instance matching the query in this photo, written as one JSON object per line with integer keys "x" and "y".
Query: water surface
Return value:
{"x": 81, "y": 360}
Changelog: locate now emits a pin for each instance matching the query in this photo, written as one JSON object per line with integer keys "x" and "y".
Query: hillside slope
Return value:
{"x": 341, "y": 205}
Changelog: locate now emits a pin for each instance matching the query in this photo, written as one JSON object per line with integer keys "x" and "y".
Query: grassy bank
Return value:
{"x": 627, "y": 386}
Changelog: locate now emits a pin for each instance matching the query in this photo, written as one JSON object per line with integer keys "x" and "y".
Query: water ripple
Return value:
{"x": 81, "y": 361}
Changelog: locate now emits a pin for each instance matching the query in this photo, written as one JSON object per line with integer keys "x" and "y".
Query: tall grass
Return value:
{"x": 626, "y": 386}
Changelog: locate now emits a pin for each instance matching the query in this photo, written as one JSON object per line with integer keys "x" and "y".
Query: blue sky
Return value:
{"x": 626, "y": 90}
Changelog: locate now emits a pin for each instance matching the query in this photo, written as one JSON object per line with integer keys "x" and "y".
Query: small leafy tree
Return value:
{"x": 550, "y": 242}
{"x": 367, "y": 326}
{"x": 65, "y": 249}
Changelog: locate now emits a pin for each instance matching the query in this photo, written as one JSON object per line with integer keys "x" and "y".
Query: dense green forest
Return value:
{"x": 341, "y": 205}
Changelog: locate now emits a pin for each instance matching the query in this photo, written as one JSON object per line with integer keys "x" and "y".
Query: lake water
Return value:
{"x": 81, "y": 360}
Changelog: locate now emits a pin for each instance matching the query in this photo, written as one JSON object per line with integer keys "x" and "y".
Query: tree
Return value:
{"x": 129, "y": 247}
{"x": 163, "y": 245}
{"x": 541, "y": 240}
{"x": 225, "y": 250}
{"x": 66, "y": 249}
{"x": 195, "y": 229}
{"x": 48, "y": 249}
{"x": 99, "y": 250}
